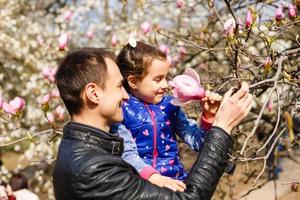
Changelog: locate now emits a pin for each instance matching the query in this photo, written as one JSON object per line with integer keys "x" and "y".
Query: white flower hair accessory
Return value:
{"x": 132, "y": 40}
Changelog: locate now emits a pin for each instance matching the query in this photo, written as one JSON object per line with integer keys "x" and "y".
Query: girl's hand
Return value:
{"x": 164, "y": 181}
{"x": 210, "y": 105}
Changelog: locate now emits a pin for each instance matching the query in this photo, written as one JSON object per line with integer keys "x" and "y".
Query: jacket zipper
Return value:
{"x": 155, "y": 153}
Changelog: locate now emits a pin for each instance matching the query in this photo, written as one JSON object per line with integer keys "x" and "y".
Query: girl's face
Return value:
{"x": 153, "y": 86}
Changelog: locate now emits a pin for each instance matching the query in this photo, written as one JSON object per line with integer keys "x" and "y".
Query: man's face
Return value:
{"x": 153, "y": 86}
{"x": 113, "y": 94}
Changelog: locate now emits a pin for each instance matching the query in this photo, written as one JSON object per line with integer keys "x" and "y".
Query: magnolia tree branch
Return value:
{"x": 275, "y": 80}
{"x": 31, "y": 136}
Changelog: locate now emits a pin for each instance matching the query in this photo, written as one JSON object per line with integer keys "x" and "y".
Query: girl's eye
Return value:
{"x": 158, "y": 79}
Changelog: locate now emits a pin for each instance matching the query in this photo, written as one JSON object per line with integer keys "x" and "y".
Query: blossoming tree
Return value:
{"x": 225, "y": 42}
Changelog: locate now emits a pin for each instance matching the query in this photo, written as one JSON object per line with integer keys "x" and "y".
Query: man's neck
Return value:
{"x": 89, "y": 119}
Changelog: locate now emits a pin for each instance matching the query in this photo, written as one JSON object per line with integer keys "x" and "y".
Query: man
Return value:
{"x": 89, "y": 163}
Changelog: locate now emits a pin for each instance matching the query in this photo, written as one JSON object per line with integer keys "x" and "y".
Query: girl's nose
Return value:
{"x": 164, "y": 84}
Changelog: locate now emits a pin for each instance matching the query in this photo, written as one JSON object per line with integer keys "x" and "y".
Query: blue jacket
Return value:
{"x": 153, "y": 128}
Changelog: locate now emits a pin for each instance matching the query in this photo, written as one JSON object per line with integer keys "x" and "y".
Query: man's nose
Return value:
{"x": 125, "y": 95}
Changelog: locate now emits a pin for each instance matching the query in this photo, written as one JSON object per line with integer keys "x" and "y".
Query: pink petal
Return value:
{"x": 8, "y": 109}
{"x": 46, "y": 98}
{"x": 146, "y": 27}
{"x": 249, "y": 19}
{"x": 62, "y": 41}
{"x": 192, "y": 73}
{"x": 17, "y": 104}
{"x": 114, "y": 40}
{"x": 179, "y": 3}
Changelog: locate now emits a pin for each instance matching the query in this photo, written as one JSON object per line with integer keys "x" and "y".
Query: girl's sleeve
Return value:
{"x": 188, "y": 130}
{"x": 131, "y": 156}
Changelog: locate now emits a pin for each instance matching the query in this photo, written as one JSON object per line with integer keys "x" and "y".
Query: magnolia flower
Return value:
{"x": 46, "y": 98}
{"x": 114, "y": 40}
{"x": 164, "y": 48}
{"x": 63, "y": 41}
{"x": 267, "y": 63}
{"x": 18, "y": 104}
{"x": 14, "y": 106}
{"x": 182, "y": 52}
{"x": 249, "y": 19}
{"x": 50, "y": 117}
{"x": 60, "y": 112}
{"x": 68, "y": 15}
{"x": 229, "y": 27}
{"x": 49, "y": 73}
{"x": 179, "y": 3}
{"x": 146, "y": 27}
{"x": 55, "y": 94}
{"x": 8, "y": 109}
{"x": 1, "y": 100}
{"x": 292, "y": 11}
{"x": 279, "y": 13}
{"x": 90, "y": 34}
{"x": 186, "y": 88}
{"x": 270, "y": 106}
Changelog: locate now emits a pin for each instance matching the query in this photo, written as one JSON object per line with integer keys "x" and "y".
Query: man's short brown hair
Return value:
{"x": 80, "y": 67}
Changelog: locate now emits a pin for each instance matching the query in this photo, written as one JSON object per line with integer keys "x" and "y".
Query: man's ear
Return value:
{"x": 92, "y": 93}
{"x": 132, "y": 82}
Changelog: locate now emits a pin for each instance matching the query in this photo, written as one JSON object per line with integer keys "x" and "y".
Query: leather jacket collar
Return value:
{"x": 94, "y": 136}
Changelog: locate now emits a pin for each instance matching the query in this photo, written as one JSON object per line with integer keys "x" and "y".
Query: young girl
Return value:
{"x": 152, "y": 120}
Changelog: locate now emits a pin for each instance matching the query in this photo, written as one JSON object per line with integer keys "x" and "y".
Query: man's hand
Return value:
{"x": 164, "y": 181}
{"x": 210, "y": 105}
{"x": 233, "y": 108}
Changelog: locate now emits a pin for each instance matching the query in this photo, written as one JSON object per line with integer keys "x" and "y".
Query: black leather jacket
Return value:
{"x": 89, "y": 166}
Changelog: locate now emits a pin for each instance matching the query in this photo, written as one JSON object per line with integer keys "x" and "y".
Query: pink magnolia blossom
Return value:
{"x": 49, "y": 73}
{"x": 63, "y": 41}
{"x": 14, "y": 106}
{"x": 179, "y": 3}
{"x": 267, "y": 63}
{"x": 146, "y": 27}
{"x": 90, "y": 34}
{"x": 114, "y": 40}
{"x": 55, "y": 94}
{"x": 229, "y": 27}
{"x": 249, "y": 19}
{"x": 1, "y": 100}
{"x": 18, "y": 104}
{"x": 270, "y": 106}
{"x": 8, "y": 109}
{"x": 46, "y": 98}
{"x": 182, "y": 52}
{"x": 279, "y": 13}
{"x": 68, "y": 15}
{"x": 60, "y": 112}
{"x": 164, "y": 48}
{"x": 50, "y": 117}
{"x": 186, "y": 88}
{"x": 292, "y": 11}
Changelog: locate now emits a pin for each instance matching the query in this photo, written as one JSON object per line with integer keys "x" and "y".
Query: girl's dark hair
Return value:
{"x": 136, "y": 60}
{"x": 80, "y": 67}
